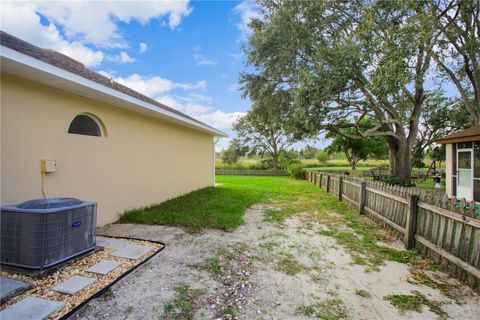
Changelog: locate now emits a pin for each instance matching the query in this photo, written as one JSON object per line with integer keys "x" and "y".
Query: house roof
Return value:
{"x": 19, "y": 62}
{"x": 471, "y": 134}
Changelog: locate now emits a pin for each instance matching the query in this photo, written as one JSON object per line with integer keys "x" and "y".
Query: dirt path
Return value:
{"x": 266, "y": 270}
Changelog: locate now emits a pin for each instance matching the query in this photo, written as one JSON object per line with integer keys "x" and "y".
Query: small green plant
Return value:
{"x": 268, "y": 245}
{"x": 130, "y": 310}
{"x": 331, "y": 309}
{"x": 363, "y": 293}
{"x": 213, "y": 265}
{"x": 287, "y": 263}
{"x": 414, "y": 302}
{"x": 184, "y": 303}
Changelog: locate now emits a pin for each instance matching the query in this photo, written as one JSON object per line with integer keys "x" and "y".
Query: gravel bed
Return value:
{"x": 42, "y": 286}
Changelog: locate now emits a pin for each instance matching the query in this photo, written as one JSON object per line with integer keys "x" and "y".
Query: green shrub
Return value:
{"x": 322, "y": 157}
{"x": 295, "y": 169}
{"x": 395, "y": 181}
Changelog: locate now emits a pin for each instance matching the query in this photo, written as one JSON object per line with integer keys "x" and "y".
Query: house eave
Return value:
{"x": 23, "y": 66}
{"x": 457, "y": 140}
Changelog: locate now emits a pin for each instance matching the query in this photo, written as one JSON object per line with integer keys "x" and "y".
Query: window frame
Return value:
{"x": 101, "y": 127}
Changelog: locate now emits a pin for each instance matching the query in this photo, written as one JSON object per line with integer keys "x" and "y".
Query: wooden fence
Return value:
{"x": 446, "y": 230}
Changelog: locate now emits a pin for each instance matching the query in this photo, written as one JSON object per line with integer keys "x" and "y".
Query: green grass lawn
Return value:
{"x": 220, "y": 207}
{"x": 223, "y": 207}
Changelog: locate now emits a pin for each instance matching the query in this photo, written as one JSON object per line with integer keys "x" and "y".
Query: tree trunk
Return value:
{"x": 275, "y": 162}
{"x": 400, "y": 159}
{"x": 391, "y": 157}
{"x": 353, "y": 162}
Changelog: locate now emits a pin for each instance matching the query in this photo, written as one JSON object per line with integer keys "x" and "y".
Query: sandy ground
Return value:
{"x": 258, "y": 284}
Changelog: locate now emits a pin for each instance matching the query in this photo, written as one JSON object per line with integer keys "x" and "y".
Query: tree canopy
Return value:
{"x": 343, "y": 61}
{"x": 269, "y": 127}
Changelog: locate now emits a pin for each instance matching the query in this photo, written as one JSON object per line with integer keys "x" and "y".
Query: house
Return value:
{"x": 69, "y": 132}
{"x": 463, "y": 163}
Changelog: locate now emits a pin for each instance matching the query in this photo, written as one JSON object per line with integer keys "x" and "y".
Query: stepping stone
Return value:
{"x": 31, "y": 308}
{"x": 131, "y": 251}
{"x": 73, "y": 285}
{"x": 112, "y": 243}
{"x": 10, "y": 288}
{"x": 104, "y": 266}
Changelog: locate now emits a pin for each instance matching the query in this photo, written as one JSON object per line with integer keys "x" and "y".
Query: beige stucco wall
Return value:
{"x": 449, "y": 170}
{"x": 142, "y": 161}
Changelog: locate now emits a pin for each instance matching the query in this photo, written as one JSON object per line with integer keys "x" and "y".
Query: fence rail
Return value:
{"x": 444, "y": 229}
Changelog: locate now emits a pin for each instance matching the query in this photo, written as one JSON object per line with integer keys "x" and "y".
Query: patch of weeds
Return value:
{"x": 364, "y": 250}
{"x": 315, "y": 254}
{"x": 331, "y": 309}
{"x": 183, "y": 304}
{"x": 414, "y": 302}
{"x": 275, "y": 235}
{"x": 402, "y": 256}
{"x": 108, "y": 293}
{"x": 212, "y": 265}
{"x": 278, "y": 215}
{"x": 130, "y": 310}
{"x": 363, "y": 293}
{"x": 287, "y": 263}
{"x": 230, "y": 311}
{"x": 269, "y": 245}
{"x": 326, "y": 233}
{"x": 421, "y": 278}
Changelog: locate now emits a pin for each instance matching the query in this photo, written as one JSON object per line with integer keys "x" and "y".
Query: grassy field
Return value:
{"x": 220, "y": 207}
{"x": 339, "y": 164}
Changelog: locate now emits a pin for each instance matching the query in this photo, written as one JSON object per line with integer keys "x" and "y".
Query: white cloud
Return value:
{"x": 154, "y": 86}
{"x": 21, "y": 20}
{"x": 234, "y": 87}
{"x": 185, "y": 105}
{"x": 96, "y": 21}
{"x": 143, "y": 47}
{"x": 192, "y": 103}
{"x": 201, "y": 60}
{"x": 247, "y": 10}
{"x": 71, "y": 25}
{"x": 219, "y": 119}
{"x": 204, "y": 113}
{"x": 120, "y": 58}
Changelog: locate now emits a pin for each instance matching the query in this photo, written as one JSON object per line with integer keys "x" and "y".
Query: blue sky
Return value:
{"x": 186, "y": 54}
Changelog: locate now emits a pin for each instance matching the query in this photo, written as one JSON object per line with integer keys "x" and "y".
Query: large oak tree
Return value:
{"x": 343, "y": 61}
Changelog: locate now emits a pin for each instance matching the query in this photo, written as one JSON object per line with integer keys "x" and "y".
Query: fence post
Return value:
{"x": 363, "y": 197}
{"x": 327, "y": 187}
{"x": 340, "y": 187}
{"x": 411, "y": 225}
{"x": 320, "y": 182}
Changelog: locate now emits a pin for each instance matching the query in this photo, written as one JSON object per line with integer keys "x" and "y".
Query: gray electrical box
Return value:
{"x": 41, "y": 233}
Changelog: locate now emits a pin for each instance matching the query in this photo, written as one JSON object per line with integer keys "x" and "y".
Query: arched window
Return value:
{"x": 85, "y": 124}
